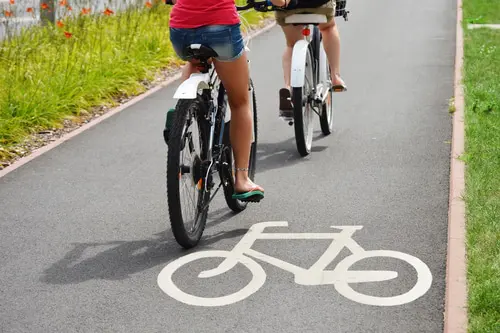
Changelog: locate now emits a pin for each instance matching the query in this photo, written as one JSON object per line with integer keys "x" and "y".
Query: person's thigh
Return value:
{"x": 293, "y": 33}
{"x": 235, "y": 77}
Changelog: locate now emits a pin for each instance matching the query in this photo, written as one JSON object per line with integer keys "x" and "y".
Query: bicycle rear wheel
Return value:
{"x": 326, "y": 117}
{"x": 186, "y": 171}
{"x": 302, "y": 109}
{"x": 227, "y": 174}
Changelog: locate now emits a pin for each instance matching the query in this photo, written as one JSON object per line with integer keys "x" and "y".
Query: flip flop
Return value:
{"x": 253, "y": 195}
{"x": 339, "y": 88}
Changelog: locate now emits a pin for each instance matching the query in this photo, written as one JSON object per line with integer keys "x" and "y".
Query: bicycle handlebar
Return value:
{"x": 260, "y": 6}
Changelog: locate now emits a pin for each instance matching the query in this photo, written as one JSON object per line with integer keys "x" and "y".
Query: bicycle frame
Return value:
{"x": 207, "y": 84}
{"x": 314, "y": 275}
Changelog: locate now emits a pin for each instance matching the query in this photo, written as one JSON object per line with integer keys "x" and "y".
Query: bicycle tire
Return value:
{"x": 303, "y": 144}
{"x": 236, "y": 205}
{"x": 184, "y": 110}
{"x": 326, "y": 117}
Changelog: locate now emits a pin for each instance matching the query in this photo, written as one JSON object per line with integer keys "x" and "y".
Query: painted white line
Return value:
{"x": 38, "y": 152}
{"x": 340, "y": 277}
{"x": 479, "y": 26}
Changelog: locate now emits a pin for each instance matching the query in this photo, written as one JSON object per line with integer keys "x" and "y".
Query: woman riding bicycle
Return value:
{"x": 216, "y": 24}
{"x": 331, "y": 43}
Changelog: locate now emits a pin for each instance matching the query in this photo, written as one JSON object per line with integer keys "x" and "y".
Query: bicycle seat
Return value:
{"x": 306, "y": 19}
{"x": 199, "y": 52}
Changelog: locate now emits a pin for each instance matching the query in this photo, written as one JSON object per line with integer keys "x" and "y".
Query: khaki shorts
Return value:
{"x": 327, "y": 9}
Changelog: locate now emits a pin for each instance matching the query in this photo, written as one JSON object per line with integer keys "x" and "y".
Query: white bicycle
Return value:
{"x": 310, "y": 80}
{"x": 340, "y": 277}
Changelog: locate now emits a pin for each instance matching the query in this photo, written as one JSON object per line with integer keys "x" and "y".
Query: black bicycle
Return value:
{"x": 199, "y": 148}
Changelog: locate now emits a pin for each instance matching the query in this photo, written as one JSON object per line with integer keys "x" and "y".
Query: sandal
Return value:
{"x": 339, "y": 87}
{"x": 253, "y": 195}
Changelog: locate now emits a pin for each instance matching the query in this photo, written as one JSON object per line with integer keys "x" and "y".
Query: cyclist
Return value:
{"x": 216, "y": 24}
{"x": 331, "y": 42}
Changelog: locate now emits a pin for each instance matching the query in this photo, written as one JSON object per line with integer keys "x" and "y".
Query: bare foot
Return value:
{"x": 337, "y": 80}
{"x": 246, "y": 186}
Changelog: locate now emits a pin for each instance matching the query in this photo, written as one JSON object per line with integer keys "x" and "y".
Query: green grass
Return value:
{"x": 482, "y": 119}
{"x": 482, "y": 11}
{"x": 50, "y": 74}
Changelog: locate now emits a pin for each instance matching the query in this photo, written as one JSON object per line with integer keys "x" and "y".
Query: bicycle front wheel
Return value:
{"x": 302, "y": 109}
{"x": 186, "y": 173}
{"x": 227, "y": 171}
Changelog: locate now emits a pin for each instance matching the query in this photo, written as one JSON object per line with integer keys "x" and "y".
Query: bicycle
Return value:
{"x": 340, "y": 277}
{"x": 200, "y": 127}
{"x": 310, "y": 77}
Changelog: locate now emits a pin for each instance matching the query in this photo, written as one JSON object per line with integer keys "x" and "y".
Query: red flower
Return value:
{"x": 29, "y": 10}
{"x": 108, "y": 12}
{"x": 85, "y": 11}
{"x": 68, "y": 34}
{"x": 60, "y": 24}
{"x": 63, "y": 3}
{"x": 7, "y": 13}
{"x": 44, "y": 6}
{"x": 12, "y": 2}
{"x": 69, "y": 8}
{"x": 149, "y": 4}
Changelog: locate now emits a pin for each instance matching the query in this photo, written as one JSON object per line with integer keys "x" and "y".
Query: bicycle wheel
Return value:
{"x": 326, "y": 117}
{"x": 227, "y": 174}
{"x": 302, "y": 110}
{"x": 187, "y": 150}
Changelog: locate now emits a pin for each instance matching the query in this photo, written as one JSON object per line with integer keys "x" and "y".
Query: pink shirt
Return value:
{"x": 197, "y": 13}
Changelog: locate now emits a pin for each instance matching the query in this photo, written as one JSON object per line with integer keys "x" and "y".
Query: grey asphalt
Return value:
{"x": 85, "y": 229}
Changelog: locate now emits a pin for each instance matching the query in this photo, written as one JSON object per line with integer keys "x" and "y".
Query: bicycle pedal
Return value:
{"x": 288, "y": 120}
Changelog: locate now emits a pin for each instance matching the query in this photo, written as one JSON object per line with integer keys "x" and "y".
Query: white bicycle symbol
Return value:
{"x": 340, "y": 277}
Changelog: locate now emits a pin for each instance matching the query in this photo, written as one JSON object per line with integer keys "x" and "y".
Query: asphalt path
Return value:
{"x": 85, "y": 229}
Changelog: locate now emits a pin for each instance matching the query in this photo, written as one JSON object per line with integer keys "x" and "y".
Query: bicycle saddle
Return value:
{"x": 199, "y": 52}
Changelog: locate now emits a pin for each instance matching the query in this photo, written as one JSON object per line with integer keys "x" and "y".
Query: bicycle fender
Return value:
{"x": 189, "y": 88}
{"x": 299, "y": 54}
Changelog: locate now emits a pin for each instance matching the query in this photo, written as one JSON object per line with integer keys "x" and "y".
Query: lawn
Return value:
{"x": 482, "y": 157}
{"x": 481, "y": 11}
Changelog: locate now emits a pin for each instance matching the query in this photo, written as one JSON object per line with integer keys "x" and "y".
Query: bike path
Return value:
{"x": 84, "y": 227}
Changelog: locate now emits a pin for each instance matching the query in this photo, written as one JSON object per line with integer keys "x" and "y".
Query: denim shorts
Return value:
{"x": 226, "y": 40}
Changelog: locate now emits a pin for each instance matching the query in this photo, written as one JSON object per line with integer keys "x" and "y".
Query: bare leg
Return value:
{"x": 187, "y": 70}
{"x": 241, "y": 117}
{"x": 331, "y": 42}
{"x": 292, "y": 35}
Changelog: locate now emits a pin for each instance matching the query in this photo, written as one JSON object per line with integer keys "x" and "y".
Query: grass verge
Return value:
{"x": 482, "y": 11}
{"x": 482, "y": 157}
{"x": 53, "y": 75}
